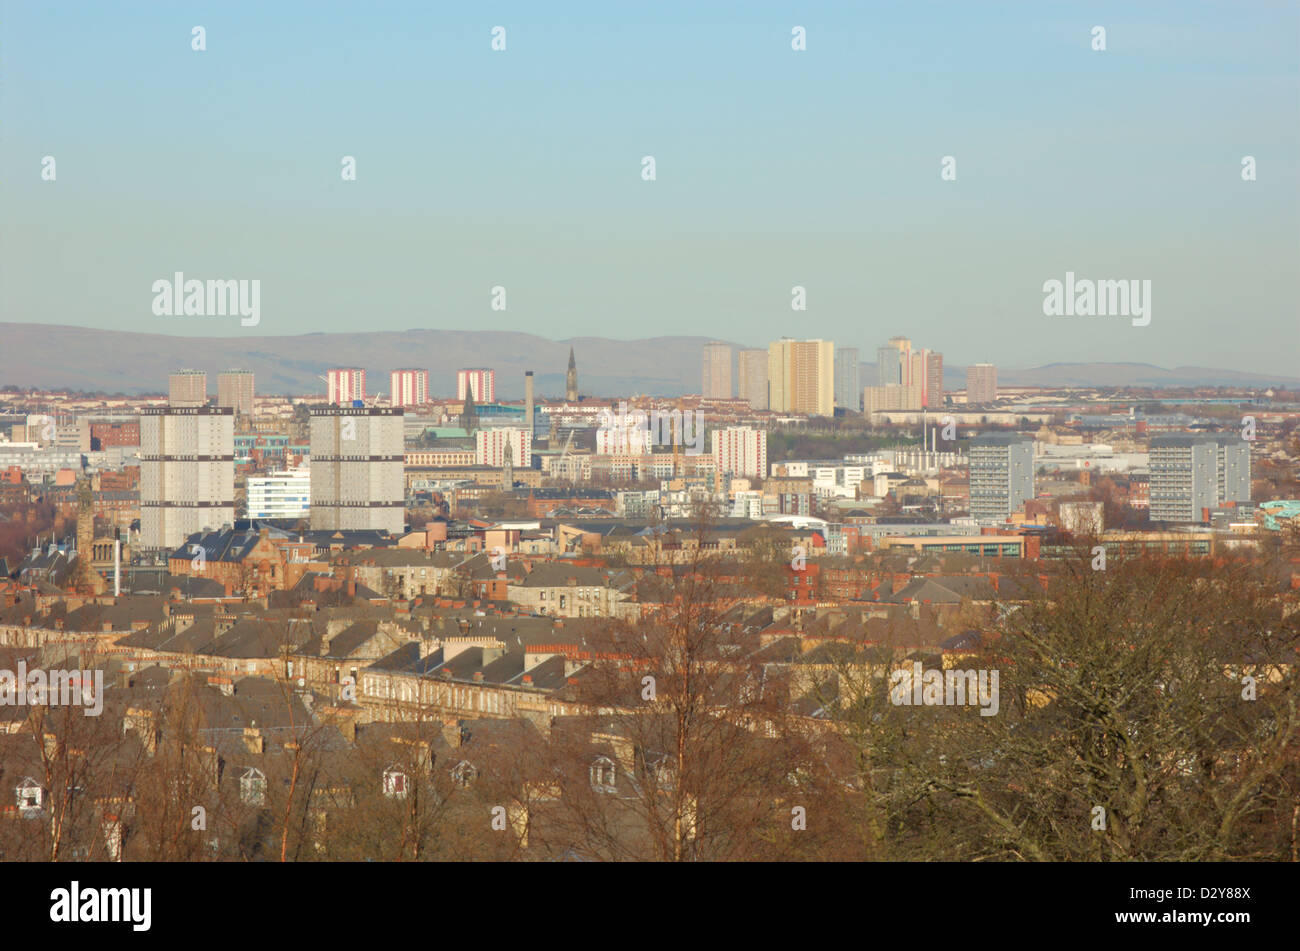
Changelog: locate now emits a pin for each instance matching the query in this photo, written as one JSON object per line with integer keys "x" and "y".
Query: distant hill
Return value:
{"x": 1132, "y": 374}
{"x": 82, "y": 358}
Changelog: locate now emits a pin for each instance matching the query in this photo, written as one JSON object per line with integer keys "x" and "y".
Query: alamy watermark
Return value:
{"x": 638, "y": 431}
{"x": 918, "y": 687}
{"x": 1087, "y": 298}
{"x": 54, "y": 688}
{"x": 181, "y": 298}
{"x": 78, "y": 904}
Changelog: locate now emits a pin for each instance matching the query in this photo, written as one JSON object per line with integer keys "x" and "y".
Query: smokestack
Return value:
{"x": 528, "y": 401}
{"x": 117, "y": 567}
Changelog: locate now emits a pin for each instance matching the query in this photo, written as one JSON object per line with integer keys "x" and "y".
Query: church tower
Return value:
{"x": 85, "y": 580}
{"x": 571, "y": 380}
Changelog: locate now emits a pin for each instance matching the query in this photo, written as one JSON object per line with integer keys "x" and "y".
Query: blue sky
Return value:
{"x": 774, "y": 168}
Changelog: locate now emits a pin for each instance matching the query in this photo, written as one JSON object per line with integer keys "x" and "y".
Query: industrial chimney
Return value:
{"x": 528, "y": 401}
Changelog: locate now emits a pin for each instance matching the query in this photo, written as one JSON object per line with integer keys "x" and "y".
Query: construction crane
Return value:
{"x": 564, "y": 453}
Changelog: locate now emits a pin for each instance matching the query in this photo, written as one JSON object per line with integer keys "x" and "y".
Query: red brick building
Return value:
{"x": 543, "y": 502}
{"x": 103, "y": 435}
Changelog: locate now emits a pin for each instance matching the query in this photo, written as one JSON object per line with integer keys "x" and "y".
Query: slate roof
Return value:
{"x": 227, "y": 545}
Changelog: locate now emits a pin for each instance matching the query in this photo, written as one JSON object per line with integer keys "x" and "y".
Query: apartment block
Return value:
{"x": 848, "y": 385}
{"x": 927, "y": 373}
{"x": 739, "y": 450}
{"x": 346, "y": 384}
{"x": 981, "y": 383}
{"x": 752, "y": 378}
{"x": 893, "y": 397}
{"x": 408, "y": 387}
{"x": 717, "y": 370}
{"x": 1001, "y": 476}
{"x": 1192, "y": 474}
{"x": 187, "y": 388}
{"x": 235, "y": 391}
{"x": 356, "y": 468}
{"x": 187, "y": 472}
{"x": 894, "y": 362}
{"x": 801, "y": 377}
{"x": 490, "y": 447}
{"x": 480, "y": 384}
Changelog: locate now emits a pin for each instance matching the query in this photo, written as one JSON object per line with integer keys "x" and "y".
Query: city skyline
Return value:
{"x": 1116, "y": 164}
{"x": 439, "y": 433}
{"x": 71, "y": 358}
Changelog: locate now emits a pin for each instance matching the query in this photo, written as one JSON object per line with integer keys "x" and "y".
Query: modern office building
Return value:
{"x": 1192, "y": 474}
{"x": 280, "y": 495}
{"x": 717, "y": 370}
{"x": 480, "y": 384}
{"x": 490, "y": 447}
{"x": 408, "y": 387}
{"x": 981, "y": 383}
{"x": 346, "y": 384}
{"x": 801, "y": 377}
{"x": 235, "y": 391}
{"x": 357, "y": 468}
{"x": 506, "y": 416}
{"x": 187, "y": 472}
{"x": 848, "y": 385}
{"x": 187, "y": 388}
{"x": 739, "y": 450}
{"x": 752, "y": 373}
{"x": 1001, "y": 475}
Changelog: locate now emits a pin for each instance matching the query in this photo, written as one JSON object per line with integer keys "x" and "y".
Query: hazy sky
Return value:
{"x": 774, "y": 168}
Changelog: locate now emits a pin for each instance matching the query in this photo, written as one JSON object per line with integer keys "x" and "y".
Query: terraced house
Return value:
{"x": 476, "y": 675}
{"x": 576, "y": 591}
{"x": 404, "y": 573}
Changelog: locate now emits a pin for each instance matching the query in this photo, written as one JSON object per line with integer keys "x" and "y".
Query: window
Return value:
{"x": 660, "y": 771}
{"x": 603, "y": 774}
{"x": 30, "y": 796}
{"x": 394, "y": 783}
{"x": 252, "y": 787}
{"x": 464, "y": 773}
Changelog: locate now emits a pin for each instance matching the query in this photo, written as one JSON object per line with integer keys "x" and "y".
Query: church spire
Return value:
{"x": 469, "y": 414}
{"x": 571, "y": 379}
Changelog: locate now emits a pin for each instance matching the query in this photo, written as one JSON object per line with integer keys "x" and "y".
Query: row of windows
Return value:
{"x": 463, "y": 698}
